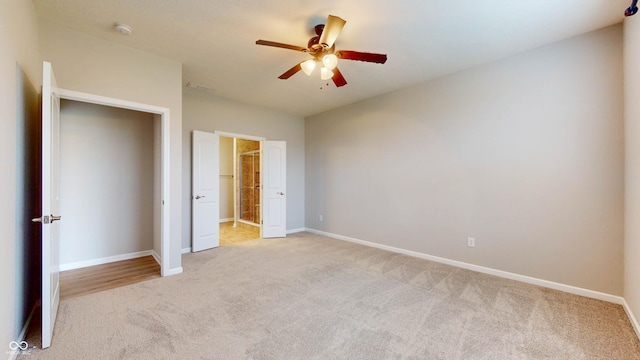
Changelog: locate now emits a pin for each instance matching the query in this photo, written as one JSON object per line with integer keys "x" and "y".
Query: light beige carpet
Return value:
{"x": 310, "y": 297}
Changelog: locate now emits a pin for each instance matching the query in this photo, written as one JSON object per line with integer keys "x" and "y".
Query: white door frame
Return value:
{"x": 165, "y": 156}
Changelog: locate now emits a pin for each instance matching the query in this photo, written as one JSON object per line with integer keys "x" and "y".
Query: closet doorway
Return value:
{"x": 106, "y": 184}
{"x": 155, "y": 179}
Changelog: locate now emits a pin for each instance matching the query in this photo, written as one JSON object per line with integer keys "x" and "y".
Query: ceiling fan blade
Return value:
{"x": 289, "y": 73}
{"x": 280, "y": 45}
{"x": 338, "y": 79}
{"x": 361, "y": 56}
{"x": 331, "y": 30}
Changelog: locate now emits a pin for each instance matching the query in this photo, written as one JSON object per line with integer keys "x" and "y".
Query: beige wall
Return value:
{"x": 524, "y": 154}
{"x": 88, "y": 64}
{"x": 207, "y": 112}
{"x": 20, "y": 74}
{"x": 632, "y": 183}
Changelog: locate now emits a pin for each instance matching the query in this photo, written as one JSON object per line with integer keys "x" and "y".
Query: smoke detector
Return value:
{"x": 123, "y": 29}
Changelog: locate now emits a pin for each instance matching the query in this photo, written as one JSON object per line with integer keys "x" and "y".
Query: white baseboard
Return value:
{"x": 226, "y": 220}
{"x": 632, "y": 318}
{"x": 293, "y": 231}
{"x": 13, "y": 354}
{"x": 104, "y": 260}
{"x": 503, "y": 274}
{"x": 23, "y": 334}
{"x": 186, "y": 250}
{"x": 174, "y": 271}
{"x": 169, "y": 272}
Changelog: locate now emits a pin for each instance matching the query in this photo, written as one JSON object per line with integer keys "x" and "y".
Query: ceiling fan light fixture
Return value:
{"x": 308, "y": 66}
{"x": 330, "y": 61}
{"x": 325, "y": 73}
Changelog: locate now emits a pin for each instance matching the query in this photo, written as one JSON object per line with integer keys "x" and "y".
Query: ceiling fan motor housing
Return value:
{"x": 318, "y": 50}
{"x": 314, "y": 44}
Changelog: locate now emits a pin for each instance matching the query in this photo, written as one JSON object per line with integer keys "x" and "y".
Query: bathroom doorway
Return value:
{"x": 248, "y": 184}
{"x": 240, "y": 190}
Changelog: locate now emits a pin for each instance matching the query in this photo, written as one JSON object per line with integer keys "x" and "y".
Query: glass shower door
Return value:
{"x": 250, "y": 187}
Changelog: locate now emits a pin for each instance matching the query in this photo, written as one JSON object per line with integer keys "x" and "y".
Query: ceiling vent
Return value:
{"x": 199, "y": 87}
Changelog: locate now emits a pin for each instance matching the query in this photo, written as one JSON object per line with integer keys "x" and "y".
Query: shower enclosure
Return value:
{"x": 250, "y": 186}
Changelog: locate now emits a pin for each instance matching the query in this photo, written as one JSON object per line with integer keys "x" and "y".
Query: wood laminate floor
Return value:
{"x": 107, "y": 276}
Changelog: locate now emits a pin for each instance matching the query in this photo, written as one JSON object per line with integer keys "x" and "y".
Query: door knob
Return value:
{"x": 280, "y": 193}
{"x": 42, "y": 219}
{"x": 199, "y": 197}
{"x": 46, "y": 219}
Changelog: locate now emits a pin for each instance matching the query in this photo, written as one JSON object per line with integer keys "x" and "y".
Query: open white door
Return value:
{"x": 205, "y": 208}
{"x": 50, "y": 203}
{"x": 274, "y": 185}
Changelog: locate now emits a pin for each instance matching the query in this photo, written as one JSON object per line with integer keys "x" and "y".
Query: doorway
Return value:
{"x": 160, "y": 182}
{"x": 240, "y": 157}
{"x": 110, "y": 149}
{"x": 205, "y": 197}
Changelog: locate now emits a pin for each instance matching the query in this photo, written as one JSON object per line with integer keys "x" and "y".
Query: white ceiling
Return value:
{"x": 424, "y": 39}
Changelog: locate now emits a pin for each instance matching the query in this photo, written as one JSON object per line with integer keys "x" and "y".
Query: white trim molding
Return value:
{"x": 156, "y": 256}
{"x": 13, "y": 354}
{"x": 240, "y": 136}
{"x": 632, "y": 318}
{"x": 293, "y": 231}
{"x": 174, "y": 271}
{"x": 105, "y": 260}
{"x": 485, "y": 270}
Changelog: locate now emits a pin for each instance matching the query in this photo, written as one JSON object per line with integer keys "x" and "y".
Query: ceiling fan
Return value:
{"x": 322, "y": 48}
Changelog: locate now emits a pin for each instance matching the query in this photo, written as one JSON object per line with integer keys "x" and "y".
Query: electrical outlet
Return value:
{"x": 321, "y": 218}
{"x": 471, "y": 242}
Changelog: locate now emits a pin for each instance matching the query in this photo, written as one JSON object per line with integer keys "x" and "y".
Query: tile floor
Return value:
{"x": 231, "y": 235}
